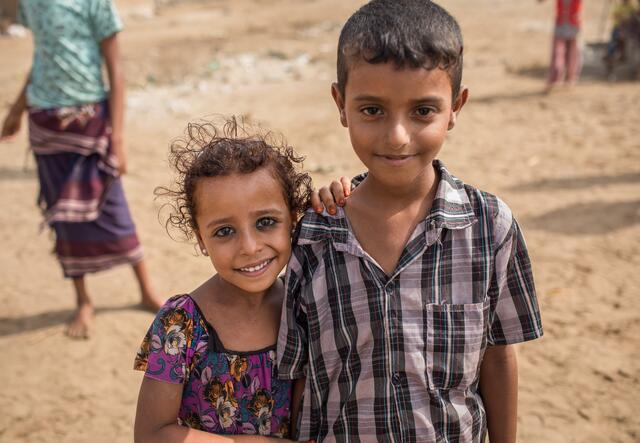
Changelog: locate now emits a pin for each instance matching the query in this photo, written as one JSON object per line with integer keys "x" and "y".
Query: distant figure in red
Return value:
{"x": 565, "y": 53}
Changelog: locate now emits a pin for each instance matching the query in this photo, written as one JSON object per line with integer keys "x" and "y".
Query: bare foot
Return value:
{"x": 549, "y": 88}
{"x": 80, "y": 324}
{"x": 151, "y": 302}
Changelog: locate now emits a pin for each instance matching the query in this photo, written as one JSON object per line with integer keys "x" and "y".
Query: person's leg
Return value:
{"x": 149, "y": 298}
{"x": 573, "y": 61}
{"x": 557, "y": 68}
{"x": 80, "y": 324}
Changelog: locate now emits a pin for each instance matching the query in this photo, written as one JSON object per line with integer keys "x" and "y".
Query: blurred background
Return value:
{"x": 566, "y": 162}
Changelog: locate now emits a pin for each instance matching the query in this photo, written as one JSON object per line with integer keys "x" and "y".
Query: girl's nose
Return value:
{"x": 250, "y": 243}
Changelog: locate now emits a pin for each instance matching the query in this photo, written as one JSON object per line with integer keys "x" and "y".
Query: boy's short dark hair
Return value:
{"x": 413, "y": 33}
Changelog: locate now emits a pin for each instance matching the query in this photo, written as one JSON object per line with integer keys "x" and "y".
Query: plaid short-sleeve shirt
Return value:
{"x": 397, "y": 358}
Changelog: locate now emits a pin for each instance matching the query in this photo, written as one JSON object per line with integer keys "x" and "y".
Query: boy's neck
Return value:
{"x": 378, "y": 193}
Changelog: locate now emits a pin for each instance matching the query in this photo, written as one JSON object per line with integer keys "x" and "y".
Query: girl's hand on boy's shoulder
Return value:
{"x": 330, "y": 196}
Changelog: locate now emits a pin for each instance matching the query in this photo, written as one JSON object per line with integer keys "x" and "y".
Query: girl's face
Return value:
{"x": 245, "y": 225}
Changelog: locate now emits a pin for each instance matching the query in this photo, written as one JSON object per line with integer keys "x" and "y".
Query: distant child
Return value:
{"x": 622, "y": 15}
{"x": 76, "y": 134}
{"x": 209, "y": 356}
{"x": 401, "y": 310}
{"x": 566, "y": 59}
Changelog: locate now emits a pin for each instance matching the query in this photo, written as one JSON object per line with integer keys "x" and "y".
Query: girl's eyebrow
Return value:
{"x": 266, "y": 211}
{"x": 258, "y": 213}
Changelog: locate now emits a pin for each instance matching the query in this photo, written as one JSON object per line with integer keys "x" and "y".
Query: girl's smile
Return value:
{"x": 256, "y": 269}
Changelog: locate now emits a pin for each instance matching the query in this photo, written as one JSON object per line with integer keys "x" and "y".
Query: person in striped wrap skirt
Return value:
{"x": 75, "y": 133}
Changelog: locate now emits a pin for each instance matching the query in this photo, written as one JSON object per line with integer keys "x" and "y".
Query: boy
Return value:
{"x": 401, "y": 309}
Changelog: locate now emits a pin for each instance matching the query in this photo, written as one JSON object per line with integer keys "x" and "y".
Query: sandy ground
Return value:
{"x": 567, "y": 164}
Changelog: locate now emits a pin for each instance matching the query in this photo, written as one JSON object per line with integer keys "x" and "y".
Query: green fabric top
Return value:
{"x": 67, "y": 61}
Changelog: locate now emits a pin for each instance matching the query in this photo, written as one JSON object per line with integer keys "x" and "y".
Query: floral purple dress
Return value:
{"x": 225, "y": 392}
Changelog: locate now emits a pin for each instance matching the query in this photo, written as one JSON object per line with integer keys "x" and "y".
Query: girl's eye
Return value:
{"x": 424, "y": 111}
{"x": 223, "y": 232}
{"x": 371, "y": 111}
{"x": 265, "y": 222}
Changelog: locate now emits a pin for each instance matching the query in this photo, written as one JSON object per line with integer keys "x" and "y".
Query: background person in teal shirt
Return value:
{"x": 76, "y": 134}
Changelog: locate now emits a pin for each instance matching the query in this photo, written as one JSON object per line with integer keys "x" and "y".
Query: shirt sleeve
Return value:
{"x": 514, "y": 315}
{"x": 21, "y": 17}
{"x": 163, "y": 352}
{"x": 104, "y": 19}
{"x": 292, "y": 337}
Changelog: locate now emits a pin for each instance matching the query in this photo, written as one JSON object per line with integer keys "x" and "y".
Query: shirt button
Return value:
{"x": 395, "y": 379}
{"x": 389, "y": 290}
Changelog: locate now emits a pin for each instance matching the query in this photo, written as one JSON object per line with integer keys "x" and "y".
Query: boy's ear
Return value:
{"x": 339, "y": 99}
{"x": 457, "y": 105}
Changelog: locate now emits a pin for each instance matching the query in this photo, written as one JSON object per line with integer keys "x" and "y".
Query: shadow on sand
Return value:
{"x": 30, "y": 323}
{"x": 587, "y": 218}
{"x": 7, "y": 174}
{"x": 507, "y": 97}
{"x": 577, "y": 182}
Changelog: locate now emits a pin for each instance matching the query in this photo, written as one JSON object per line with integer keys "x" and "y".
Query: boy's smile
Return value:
{"x": 397, "y": 118}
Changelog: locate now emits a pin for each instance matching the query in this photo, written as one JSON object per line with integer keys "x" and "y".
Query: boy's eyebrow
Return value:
{"x": 431, "y": 99}
{"x": 258, "y": 213}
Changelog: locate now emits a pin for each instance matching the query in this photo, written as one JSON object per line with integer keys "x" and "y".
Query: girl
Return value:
{"x": 75, "y": 132}
{"x": 209, "y": 356}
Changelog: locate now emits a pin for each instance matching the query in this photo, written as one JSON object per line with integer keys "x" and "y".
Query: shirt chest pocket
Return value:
{"x": 455, "y": 337}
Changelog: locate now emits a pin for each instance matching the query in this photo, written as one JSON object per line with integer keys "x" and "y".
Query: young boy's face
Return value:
{"x": 397, "y": 118}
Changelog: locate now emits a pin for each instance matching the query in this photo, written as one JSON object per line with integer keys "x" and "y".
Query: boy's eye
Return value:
{"x": 223, "y": 232}
{"x": 371, "y": 111}
{"x": 265, "y": 222}
{"x": 424, "y": 111}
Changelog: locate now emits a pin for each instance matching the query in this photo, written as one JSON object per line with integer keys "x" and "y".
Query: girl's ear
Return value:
{"x": 203, "y": 249}
{"x": 339, "y": 99}
{"x": 457, "y": 105}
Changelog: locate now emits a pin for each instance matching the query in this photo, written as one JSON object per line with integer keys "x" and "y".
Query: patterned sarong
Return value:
{"x": 81, "y": 194}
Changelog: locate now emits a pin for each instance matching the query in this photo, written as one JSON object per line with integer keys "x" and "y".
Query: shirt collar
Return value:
{"x": 451, "y": 209}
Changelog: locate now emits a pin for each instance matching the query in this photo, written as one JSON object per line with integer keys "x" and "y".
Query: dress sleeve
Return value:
{"x": 163, "y": 353}
{"x": 292, "y": 338}
{"x": 104, "y": 19}
{"x": 514, "y": 314}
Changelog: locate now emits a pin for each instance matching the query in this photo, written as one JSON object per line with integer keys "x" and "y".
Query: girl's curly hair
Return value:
{"x": 211, "y": 150}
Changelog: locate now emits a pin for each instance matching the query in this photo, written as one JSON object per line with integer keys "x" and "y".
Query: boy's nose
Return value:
{"x": 398, "y": 135}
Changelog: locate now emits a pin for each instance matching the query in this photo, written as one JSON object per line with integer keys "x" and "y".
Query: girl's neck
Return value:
{"x": 230, "y": 295}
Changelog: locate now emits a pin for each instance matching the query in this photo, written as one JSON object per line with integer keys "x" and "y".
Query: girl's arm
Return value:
{"x": 111, "y": 53}
{"x": 499, "y": 390}
{"x": 13, "y": 120}
{"x": 156, "y": 419}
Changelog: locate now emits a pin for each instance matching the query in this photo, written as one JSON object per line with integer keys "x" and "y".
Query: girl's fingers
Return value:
{"x": 346, "y": 186}
{"x": 327, "y": 200}
{"x": 338, "y": 193}
{"x": 316, "y": 204}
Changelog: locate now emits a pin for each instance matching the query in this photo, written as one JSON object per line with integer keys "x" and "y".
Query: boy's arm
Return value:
{"x": 13, "y": 120}
{"x": 296, "y": 403}
{"x": 111, "y": 53}
{"x": 499, "y": 391}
